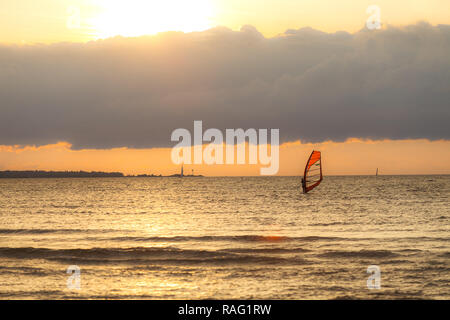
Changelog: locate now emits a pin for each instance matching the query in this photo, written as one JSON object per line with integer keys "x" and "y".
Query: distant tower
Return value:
{"x": 181, "y": 171}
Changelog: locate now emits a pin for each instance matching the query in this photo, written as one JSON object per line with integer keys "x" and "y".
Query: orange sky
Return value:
{"x": 351, "y": 157}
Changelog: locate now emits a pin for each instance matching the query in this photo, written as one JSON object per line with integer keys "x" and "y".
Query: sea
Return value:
{"x": 353, "y": 237}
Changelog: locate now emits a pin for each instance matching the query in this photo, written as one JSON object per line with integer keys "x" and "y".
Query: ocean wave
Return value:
{"x": 51, "y": 231}
{"x": 359, "y": 254}
{"x": 139, "y": 255}
{"x": 42, "y": 294}
{"x": 243, "y": 238}
{"x": 23, "y": 270}
{"x": 266, "y": 250}
{"x": 424, "y": 238}
{"x": 240, "y": 238}
{"x": 330, "y": 224}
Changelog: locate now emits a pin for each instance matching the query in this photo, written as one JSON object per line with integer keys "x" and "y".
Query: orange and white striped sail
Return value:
{"x": 313, "y": 172}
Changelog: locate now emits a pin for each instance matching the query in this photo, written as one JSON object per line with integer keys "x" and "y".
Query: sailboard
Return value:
{"x": 312, "y": 176}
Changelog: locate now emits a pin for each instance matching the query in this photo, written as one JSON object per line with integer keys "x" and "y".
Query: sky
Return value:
{"x": 353, "y": 157}
{"x": 100, "y": 85}
{"x": 31, "y": 21}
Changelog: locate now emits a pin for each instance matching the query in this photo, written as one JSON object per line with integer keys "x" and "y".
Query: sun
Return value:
{"x": 131, "y": 18}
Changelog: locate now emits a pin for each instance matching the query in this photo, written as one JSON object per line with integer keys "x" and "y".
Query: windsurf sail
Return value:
{"x": 313, "y": 172}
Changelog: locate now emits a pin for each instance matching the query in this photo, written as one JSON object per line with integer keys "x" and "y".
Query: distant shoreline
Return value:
{"x": 79, "y": 174}
{"x": 40, "y": 174}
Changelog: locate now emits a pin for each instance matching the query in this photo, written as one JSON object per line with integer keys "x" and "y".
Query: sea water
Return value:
{"x": 225, "y": 238}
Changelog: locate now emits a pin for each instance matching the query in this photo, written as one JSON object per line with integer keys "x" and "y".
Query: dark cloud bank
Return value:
{"x": 314, "y": 86}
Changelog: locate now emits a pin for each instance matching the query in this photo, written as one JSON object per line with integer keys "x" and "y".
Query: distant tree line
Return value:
{"x": 59, "y": 174}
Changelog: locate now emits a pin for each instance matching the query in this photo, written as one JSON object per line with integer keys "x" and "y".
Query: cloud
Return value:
{"x": 314, "y": 86}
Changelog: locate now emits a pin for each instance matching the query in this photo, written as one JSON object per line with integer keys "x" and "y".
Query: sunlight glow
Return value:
{"x": 133, "y": 18}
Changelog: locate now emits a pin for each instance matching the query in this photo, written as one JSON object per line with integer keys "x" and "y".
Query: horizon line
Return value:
{"x": 151, "y": 175}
